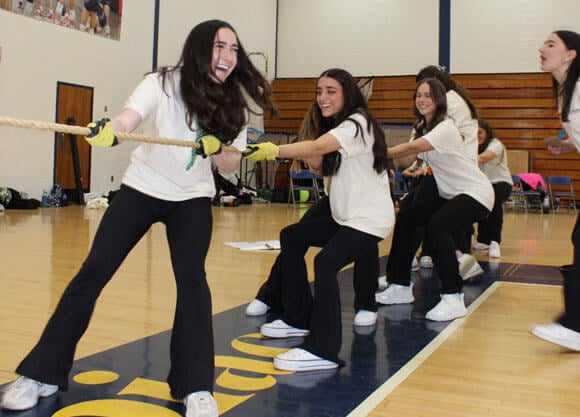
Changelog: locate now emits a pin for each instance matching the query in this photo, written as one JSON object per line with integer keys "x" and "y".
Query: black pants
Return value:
{"x": 410, "y": 229}
{"x": 443, "y": 219}
{"x": 130, "y": 215}
{"x": 489, "y": 228}
{"x": 364, "y": 267}
{"x": 453, "y": 216}
{"x": 571, "y": 316}
{"x": 321, "y": 313}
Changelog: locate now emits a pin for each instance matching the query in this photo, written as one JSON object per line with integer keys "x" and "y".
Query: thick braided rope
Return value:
{"x": 83, "y": 131}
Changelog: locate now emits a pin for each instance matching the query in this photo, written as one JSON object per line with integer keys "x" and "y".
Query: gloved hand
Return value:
{"x": 267, "y": 151}
{"x": 101, "y": 134}
{"x": 209, "y": 145}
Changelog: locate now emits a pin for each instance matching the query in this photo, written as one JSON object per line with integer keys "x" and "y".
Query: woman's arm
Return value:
{"x": 411, "y": 148}
{"x": 314, "y": 163}
{"x": 227, "y": 161}
{"x": 126, "y": 121}
{"x": 559, "y": 146}
{"x": 310, "y": 149}
{"x": 485, "y": 156}
{"x": 413, "y": 171}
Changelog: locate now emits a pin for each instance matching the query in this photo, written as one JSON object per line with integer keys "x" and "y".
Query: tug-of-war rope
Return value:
{"x": 83, "y": 131}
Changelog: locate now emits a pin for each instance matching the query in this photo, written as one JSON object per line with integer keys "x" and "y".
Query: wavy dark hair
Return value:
{"x": 315, "y": 125}
{"x": 489, "y": 135}
{"x": 439, "y": 73}
{"x": 438, "y": 91}
{"x": 219, "y": 108}
{"x": 572, "y": 42}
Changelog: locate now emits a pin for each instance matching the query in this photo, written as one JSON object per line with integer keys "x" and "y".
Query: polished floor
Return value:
{"x": 486, "y": 364}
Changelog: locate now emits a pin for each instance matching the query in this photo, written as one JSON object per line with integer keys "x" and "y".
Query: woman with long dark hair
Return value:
{"x": 200, "y": 100}
{"x": 463, "y": 112}
{"x": 464, "y": 196}
{"x": 351, "y": 153}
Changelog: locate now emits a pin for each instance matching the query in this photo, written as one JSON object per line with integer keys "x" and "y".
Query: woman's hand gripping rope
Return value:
{"x": 266, "y": 151}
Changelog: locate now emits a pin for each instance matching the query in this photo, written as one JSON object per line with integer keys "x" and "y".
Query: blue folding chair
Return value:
{"x": 304, "y": 180}
{"x": 399, "y": 185}
{"x": 560, "y": 188}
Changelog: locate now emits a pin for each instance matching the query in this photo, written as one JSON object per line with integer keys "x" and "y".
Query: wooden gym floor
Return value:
{"x": 486, "y": 364}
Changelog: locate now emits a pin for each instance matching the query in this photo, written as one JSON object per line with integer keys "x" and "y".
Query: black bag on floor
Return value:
{"x": 17, "y": 202}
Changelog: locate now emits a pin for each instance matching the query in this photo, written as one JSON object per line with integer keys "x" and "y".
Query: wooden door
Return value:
{"x": 74, "y": 104}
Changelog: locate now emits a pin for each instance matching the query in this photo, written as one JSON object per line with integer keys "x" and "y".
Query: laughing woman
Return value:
{"x": 351, "y": 152}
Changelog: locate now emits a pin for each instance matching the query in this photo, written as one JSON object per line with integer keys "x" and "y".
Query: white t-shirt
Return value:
{"x": 360, "y": 198}
{"x": 572, "y": 126}
{"x": 454, "y": 173}
{"x": 458, "y": 111}
{"x": 160, "y": 170}
{"x": 496, "y": 169}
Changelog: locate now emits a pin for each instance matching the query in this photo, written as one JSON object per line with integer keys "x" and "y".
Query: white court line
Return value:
{"x": 373, "y": 400}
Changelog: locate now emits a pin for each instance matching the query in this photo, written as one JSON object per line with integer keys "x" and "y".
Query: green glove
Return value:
{"x": 262, "y": 151}
{"x": 101, "y": 134}
{"x": 209, "y": 145}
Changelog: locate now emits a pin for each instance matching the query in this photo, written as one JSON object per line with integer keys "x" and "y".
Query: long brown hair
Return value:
{"x": 439, "y": 98}
{"x": 440, "y": 73}
{"x": 315, "y": 124}
{"x": 219, "y": 108}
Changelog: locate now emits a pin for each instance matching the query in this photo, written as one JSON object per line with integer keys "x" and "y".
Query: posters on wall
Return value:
{"x": 95, "y": 17}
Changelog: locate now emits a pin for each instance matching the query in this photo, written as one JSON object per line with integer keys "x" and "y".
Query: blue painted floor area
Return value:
{"x": 372, "y": 355}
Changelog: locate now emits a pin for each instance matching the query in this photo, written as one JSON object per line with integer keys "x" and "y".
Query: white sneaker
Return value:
{"x": 200, "y": 404}
{"x": 480, "y": 246}
{"x": 396, "y": 294}
{"x": 450, "y": 307}
{"x": 257, "y": 308}
{"x": 426, "y": 262}
{"x": 301, "y": 360}
{"x": 473, "y": 272}
{"x": 415, "y": 265}
{"x": 468, "y": 267}
{"x": 383, "y": 282}
{"x": 279, "y": 329}
{"x": 365, "y": 318}
{"x": 558, "y": 334}
{"x": 24, "y": 393}
{"x": 494, "y": 251}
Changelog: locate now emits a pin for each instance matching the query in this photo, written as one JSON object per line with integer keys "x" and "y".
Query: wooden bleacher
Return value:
{"x": 519, "y": 107}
